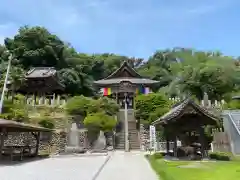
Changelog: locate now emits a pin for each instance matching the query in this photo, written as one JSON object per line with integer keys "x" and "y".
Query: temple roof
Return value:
{"x": 124, "y": 70}
{"x": 41, "y": 72}
{"x": 42, "y": 79}
{"x": 125, "y": 73}
{"x": 178, "y": 111}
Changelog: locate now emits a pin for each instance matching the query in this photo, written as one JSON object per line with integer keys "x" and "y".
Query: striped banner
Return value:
{"x": 106, "y": 91}
{"x": 143, "y": 90}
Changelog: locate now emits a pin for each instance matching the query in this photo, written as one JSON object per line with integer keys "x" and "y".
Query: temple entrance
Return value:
{"x": 123, "y": 85}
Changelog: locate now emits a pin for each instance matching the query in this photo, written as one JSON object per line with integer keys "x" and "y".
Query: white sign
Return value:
{"x": 153, "y": 141}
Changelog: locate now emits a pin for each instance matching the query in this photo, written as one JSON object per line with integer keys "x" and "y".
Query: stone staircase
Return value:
{"x": 236, "y": 119}
{"x": 231, "y": 123}
{"x": 133, "y": 137}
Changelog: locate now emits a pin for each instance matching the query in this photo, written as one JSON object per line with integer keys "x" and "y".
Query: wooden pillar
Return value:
{"x": 202, "y": 141}
{"x": 37, "y": 145}
{"x": 58, "y": 99}
{"x": 35, "y": 98}
{"x": 175, "y": 147}
{"x": 2, "y": 137}
{"x": 37, "y": 137}
{"x": 53, "y": 100}
{"x": 167, "y": 141}
{"x": 26, "y": 98}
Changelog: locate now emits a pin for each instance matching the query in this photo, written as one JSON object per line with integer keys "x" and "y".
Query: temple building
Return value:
{"x": 123, "y": 85}
{"x": 41, "y": 85}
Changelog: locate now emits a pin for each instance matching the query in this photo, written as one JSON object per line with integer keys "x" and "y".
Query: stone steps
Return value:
{"x": 133, "y": 137}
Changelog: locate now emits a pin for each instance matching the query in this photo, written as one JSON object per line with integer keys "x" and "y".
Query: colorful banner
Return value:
{"x": 106, "y": 91}
{"x": 143, "y": 90}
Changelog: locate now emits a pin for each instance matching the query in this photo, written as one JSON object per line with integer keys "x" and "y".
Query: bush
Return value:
{"x": 16, "y": 110}
{"x": 232, "y": 105}
{"x": 78, "y": 105}
{"x": 47, "y": 122}
{"x": 100, "y": 121}
{"x": 157, "y": 155}
{"x": 221, "y": 156}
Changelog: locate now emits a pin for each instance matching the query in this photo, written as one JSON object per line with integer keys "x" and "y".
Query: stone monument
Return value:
{"x": 73, "y": 141}
{"x": 100, "y": 144}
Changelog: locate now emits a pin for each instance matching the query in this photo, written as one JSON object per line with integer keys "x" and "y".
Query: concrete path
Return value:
{"x": 61, "y": 168}
{"x": 127, "y": 166}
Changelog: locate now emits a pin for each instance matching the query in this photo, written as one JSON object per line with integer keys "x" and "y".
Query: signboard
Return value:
{"x": 153, "y": 140}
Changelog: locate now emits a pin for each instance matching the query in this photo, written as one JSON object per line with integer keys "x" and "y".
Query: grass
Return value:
{"x": 220, "y": 170}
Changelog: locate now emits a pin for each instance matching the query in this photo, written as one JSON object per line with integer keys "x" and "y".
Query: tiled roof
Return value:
{"x": 119, "y": 80}
{"x": 177, "y": 111}
{"x": 38, "y": 72}
{"x": 18, "y": 127}
{"x": 124, "y": 66}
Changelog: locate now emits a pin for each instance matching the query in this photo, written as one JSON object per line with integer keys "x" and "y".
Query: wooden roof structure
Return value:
{"x": 187, "y": 108}
{"x": 13, "y": 126}
{"x": 41, "y": 79}
{"x": 123, "y": 74}
{"x": 236, "y": 97}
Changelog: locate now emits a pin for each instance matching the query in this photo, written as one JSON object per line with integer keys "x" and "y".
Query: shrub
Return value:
{"x": 157, "y": 155}
{"x": 100, "y": 121}
{"x": 47, "y": 122}
{"x": 232, "y": 105}
{"x": 78, "y": 105}
{"x": 221, "y": 156}
{"x": 15, "y": 110}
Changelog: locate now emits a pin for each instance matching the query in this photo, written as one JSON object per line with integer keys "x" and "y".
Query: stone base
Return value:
{"x": 70, "y": 149}
{"x": 99, "y": 151}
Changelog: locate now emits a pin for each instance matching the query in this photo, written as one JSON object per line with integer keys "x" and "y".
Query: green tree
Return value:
{"x": 213, "y": 75}
{"x": 100, "y": 121}
{"x": 36, "y": 46}
{"x": 150, "y": 107}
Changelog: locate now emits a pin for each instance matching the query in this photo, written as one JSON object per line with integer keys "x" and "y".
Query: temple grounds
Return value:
{"x": 59, "y": 168}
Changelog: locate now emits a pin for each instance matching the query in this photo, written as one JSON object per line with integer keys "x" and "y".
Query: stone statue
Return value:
{"x": 100, "y": 143}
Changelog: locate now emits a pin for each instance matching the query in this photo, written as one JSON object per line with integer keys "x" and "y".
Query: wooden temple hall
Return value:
{"x": 187, "y": 122}
{"x": 123, "y": 85}
{"x": 41, "y": 86}
{"x": 11, "y": 152}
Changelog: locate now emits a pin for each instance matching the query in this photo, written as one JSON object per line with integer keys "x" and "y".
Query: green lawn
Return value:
{"x": 170, "y": 170}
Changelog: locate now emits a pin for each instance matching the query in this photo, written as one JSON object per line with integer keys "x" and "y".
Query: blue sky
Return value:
{"x": 130, "y": 27}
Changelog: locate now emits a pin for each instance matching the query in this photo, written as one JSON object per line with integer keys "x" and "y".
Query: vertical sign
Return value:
{"x": 153, "y": 141}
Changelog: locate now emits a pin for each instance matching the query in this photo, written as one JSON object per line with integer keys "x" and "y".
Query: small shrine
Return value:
{"x": 123, "y": 85}
{"x": 186, "y": 122}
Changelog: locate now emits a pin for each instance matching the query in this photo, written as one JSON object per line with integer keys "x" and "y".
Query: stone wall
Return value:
{"x": 49, "y": 142}
{"x": 144, "y": 137}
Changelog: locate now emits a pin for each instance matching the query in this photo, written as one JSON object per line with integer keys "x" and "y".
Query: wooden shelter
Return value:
{"x": 187, "y": 117}
{"x": 40, "y": 82}
{"x": 7, "y": 126}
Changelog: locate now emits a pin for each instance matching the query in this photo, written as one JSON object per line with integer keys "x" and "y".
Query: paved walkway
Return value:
{"x": 61, "y": 168}
{"x": 127, "y": 166}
